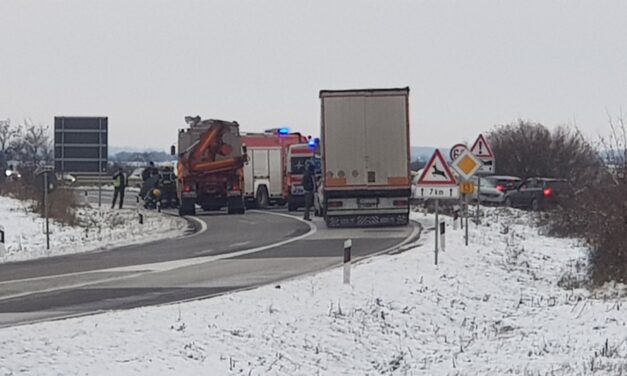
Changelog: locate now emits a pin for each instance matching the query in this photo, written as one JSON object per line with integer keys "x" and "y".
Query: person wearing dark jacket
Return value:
{"x": 150, "y": 171}
{"x": 309, "y": 186}
{"x": 119, "y": 185}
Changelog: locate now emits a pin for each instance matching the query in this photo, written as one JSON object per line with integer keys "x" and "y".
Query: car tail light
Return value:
{"x": 187, "y": 189}
{"x": 400, "y": 202}
{"x": 500, "y": 187}
{"x": 335, "y": 204}
{"x": 548, "y": 192}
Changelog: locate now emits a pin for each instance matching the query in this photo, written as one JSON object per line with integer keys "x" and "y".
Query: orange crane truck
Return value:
{"x": 210, "y": 166}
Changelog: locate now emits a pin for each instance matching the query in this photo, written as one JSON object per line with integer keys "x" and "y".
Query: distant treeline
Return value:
{"x": 146, "y": 156}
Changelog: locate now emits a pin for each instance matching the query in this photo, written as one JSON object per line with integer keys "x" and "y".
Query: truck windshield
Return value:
{"x": 297, "y": 164}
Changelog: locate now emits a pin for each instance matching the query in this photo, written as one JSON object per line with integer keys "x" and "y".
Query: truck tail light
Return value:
{"x": 400, "y": 202}
{"x": 335, "y": 204}
{"x": 187, "y": 189}
{"x": 548, "y": 192}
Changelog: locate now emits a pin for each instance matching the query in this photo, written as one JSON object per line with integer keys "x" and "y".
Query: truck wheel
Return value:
{"x": 262, "y": 198}
{"x": 291, "y": 206}
{"x": 236, "y": 206}
{"x": 187, "y": 207}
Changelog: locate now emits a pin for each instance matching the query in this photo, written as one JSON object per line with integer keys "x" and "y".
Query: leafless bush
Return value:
{"x": 597, "y": 212}
{"x": 62, "y": 203}
{"x": 527, "y": 149}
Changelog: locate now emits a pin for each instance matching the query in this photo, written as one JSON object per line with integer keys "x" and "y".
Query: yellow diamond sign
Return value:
{"x": 466, "y": 164}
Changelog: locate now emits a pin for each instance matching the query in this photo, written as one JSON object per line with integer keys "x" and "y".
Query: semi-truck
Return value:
{"x": 266, "y": 175}
{"x": 210, "y": 166}
{"x": 365, "y": 157}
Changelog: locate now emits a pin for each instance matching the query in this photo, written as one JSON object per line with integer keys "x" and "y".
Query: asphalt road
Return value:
{"x": 229, "y": 252}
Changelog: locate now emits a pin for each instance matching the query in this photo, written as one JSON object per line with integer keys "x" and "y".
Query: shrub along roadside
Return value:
{"x": 61, "y": 203}
{"x": 598, "y": 215}
{"x": 598, "y": 211}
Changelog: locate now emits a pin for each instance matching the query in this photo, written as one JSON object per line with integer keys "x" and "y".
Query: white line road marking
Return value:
{"x": 203, "y": 227}
{"x": 152, "y": 267}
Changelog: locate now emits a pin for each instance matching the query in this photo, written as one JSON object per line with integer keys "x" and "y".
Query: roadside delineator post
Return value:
{"x": 348, "y": 244}
{"x": 1, "y": 241}
{"x": 443, "y": 236}
{"x": 141, "y": 216}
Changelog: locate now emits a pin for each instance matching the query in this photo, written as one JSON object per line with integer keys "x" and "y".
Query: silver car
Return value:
{"x": 488, "y": 193}
{"x": 135, "y": 178}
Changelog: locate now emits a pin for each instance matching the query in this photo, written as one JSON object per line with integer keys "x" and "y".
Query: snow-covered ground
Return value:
{"x": 493, "y": 308}
{"x": 101, "y": 229}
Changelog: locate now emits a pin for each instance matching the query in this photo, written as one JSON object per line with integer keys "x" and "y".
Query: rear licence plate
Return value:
{"x": 367, "y": 202}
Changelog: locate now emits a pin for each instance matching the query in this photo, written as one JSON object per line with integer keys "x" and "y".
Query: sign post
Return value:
{"x": 48, "y": 184}
{"x": 437, "y": 182}
{"x": 466, "y": 165}
{"x": 483, "y": 151}
{"x": 466, "y": 219}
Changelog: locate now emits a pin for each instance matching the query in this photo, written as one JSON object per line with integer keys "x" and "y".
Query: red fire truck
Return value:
{"x": 267, "y": 174}
{"x": 298, "y": 155}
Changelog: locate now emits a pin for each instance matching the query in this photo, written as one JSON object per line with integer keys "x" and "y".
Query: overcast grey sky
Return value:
{"x": 469, "y": 64}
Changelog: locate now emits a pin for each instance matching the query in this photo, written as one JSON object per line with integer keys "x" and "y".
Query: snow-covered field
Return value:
{"x": 102, "y": 228}
{"x": 492, "y": 308}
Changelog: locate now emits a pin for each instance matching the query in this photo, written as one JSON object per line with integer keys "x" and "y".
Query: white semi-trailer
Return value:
{"x": 365, "y": 157}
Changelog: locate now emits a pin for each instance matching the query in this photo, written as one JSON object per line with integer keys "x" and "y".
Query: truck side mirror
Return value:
{"x": 172, "y": 150}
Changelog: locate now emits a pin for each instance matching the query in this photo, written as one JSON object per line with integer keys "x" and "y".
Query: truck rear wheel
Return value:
{"x": 236, "y": 206}
{"x": 262, "y": 198}
{"x": 187, "y": 207}
{"x": 291, "y": 205}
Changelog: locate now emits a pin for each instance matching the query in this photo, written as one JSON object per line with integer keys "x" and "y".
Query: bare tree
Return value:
{"x": 33, "y": 144}
{"x": 7, "y": 133}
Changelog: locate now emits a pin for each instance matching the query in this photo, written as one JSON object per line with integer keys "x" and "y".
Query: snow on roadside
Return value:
{"x": 25, "y": 237}
{"x": 492, "y": 308}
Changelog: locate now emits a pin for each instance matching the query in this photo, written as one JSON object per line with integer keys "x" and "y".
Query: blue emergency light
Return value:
{"x": 314, "y": 142}
{"x": 284, "y": 130}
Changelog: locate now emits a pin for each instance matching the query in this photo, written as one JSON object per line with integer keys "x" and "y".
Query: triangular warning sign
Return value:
{"x": 481, "y": 148}
{"x": 437, "y": 172}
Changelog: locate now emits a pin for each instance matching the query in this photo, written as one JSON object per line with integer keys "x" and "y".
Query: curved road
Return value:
{"x": 229, "y": 252}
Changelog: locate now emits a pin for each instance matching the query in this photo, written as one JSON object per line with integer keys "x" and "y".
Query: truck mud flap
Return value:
{"x": 367, "y": 220}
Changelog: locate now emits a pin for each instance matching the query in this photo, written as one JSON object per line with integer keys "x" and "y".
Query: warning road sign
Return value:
{"x": 482, "y": 150}
{"x": 437, "y": 172}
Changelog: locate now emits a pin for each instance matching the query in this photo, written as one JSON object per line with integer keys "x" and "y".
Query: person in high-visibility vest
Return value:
{"x": 119, "y": 185}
